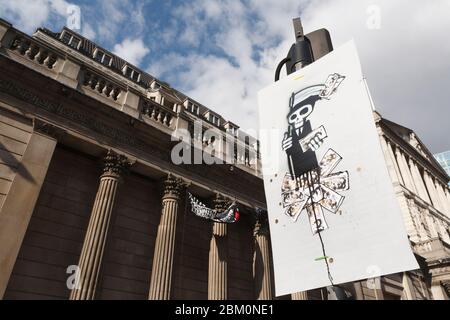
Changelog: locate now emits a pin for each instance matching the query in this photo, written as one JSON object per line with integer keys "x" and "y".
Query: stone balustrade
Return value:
{"x": 433, "y": 247}
{"x": 101, "y": 85}
{"x": 157, "y": 113}
{"x": 425, "y": 246}
{"x": 33, "y": 51}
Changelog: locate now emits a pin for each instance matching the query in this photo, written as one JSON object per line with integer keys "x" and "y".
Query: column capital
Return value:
{"x": 115, "y": 164}
{"x": 173, "y": 187}
{"x": 261, "y": 223}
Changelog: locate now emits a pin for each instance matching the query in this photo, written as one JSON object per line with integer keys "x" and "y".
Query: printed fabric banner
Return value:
{"x": 333, "y": 213}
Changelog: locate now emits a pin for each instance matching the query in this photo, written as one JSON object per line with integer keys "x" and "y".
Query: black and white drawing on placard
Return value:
{"x": 310, "y": 185}
{"x": 332, "y": 207}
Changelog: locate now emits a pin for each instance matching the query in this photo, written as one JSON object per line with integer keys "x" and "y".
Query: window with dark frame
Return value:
{"x": 193, "y": 108}
{"x": 70, "y": 40}
{"x": 102, "y": 57}
{"x": 215, "y": 120}
{"x": 74, "y": 43}
{"x": 66, "y": 37}
{"x": 131, "y": 73}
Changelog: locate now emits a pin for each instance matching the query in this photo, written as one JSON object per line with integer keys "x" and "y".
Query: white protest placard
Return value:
{"x": 334, "y": 217}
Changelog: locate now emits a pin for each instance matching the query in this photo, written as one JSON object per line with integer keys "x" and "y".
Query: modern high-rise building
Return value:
{"x": 88, "y": 187}
{"x": 444, "y": 160}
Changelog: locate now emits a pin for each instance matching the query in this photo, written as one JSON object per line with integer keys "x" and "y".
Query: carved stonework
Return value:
{"x": 173, "y": 186}
{"x": 446, "y": 285}
{"x": 73, "y": 114}
{"x": 261, "y": 223}
{"x": 439, "y": 271}
{"x": 115, "y": 164}
{"x": 416, "y": 144}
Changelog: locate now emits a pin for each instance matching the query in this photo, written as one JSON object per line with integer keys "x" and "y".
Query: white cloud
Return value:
{"x": 88, "y": 31}
{"x": 26, "y": 15}
{"x": 132, "y": 50}
{"x": 115, "y": 16}
{"x": 406, "y": 61}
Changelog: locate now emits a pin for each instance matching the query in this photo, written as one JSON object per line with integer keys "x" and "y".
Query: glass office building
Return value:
{"x": 444, "y": 161}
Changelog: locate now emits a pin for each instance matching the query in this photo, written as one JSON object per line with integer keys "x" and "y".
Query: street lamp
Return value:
{"x": 306, "y": 49}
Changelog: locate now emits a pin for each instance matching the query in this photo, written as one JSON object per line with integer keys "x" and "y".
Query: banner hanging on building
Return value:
{"x": 333, "y": 213}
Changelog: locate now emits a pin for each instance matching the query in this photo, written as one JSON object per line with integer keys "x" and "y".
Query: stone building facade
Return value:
{"x": 86, "y": 179}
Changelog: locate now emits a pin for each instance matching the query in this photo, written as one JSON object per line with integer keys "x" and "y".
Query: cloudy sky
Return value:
{"x": 222, "y": 52}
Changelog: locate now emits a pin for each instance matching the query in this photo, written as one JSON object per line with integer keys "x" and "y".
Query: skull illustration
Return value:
{"x": 302, "y": 105}
{"x": 298, "y": 116}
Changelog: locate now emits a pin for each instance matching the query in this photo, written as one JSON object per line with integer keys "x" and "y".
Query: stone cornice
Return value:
{"x": 100, "y": 125}
{"x": 47, "y": 129}
{"x": 71, "y": 114}
{"x": 422, "y": 204}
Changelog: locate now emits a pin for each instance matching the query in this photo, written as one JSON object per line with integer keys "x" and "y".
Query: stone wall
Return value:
{"x": 15, "y": 132}
{"x": 56, "y": 230}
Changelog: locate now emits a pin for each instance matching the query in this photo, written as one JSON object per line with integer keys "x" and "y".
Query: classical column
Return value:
{"x": 443, "y": 199}
{"x": 218, "y": 256}
{"x": 409, "y": 174}
{"x": 95, "y": 239}
{"x": 438, "y": 291}
{"x": 161, "y": 278}
{"x": 391, "y": 163}
{"x": 443, "y": 230}
{"x": 261, "y": 259}
{"x": 432, "y": 191}
{"x": 359, "y": 292}
{"x": 418, "y": 181}
{"x": 300, "y": 295}
{"x": 406, "y": 173}
{"x": 408, "y": 288}
{"x": 446, "y": 199}
{"x": 447, "y": 195}
{"x": 433, "y": 228}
